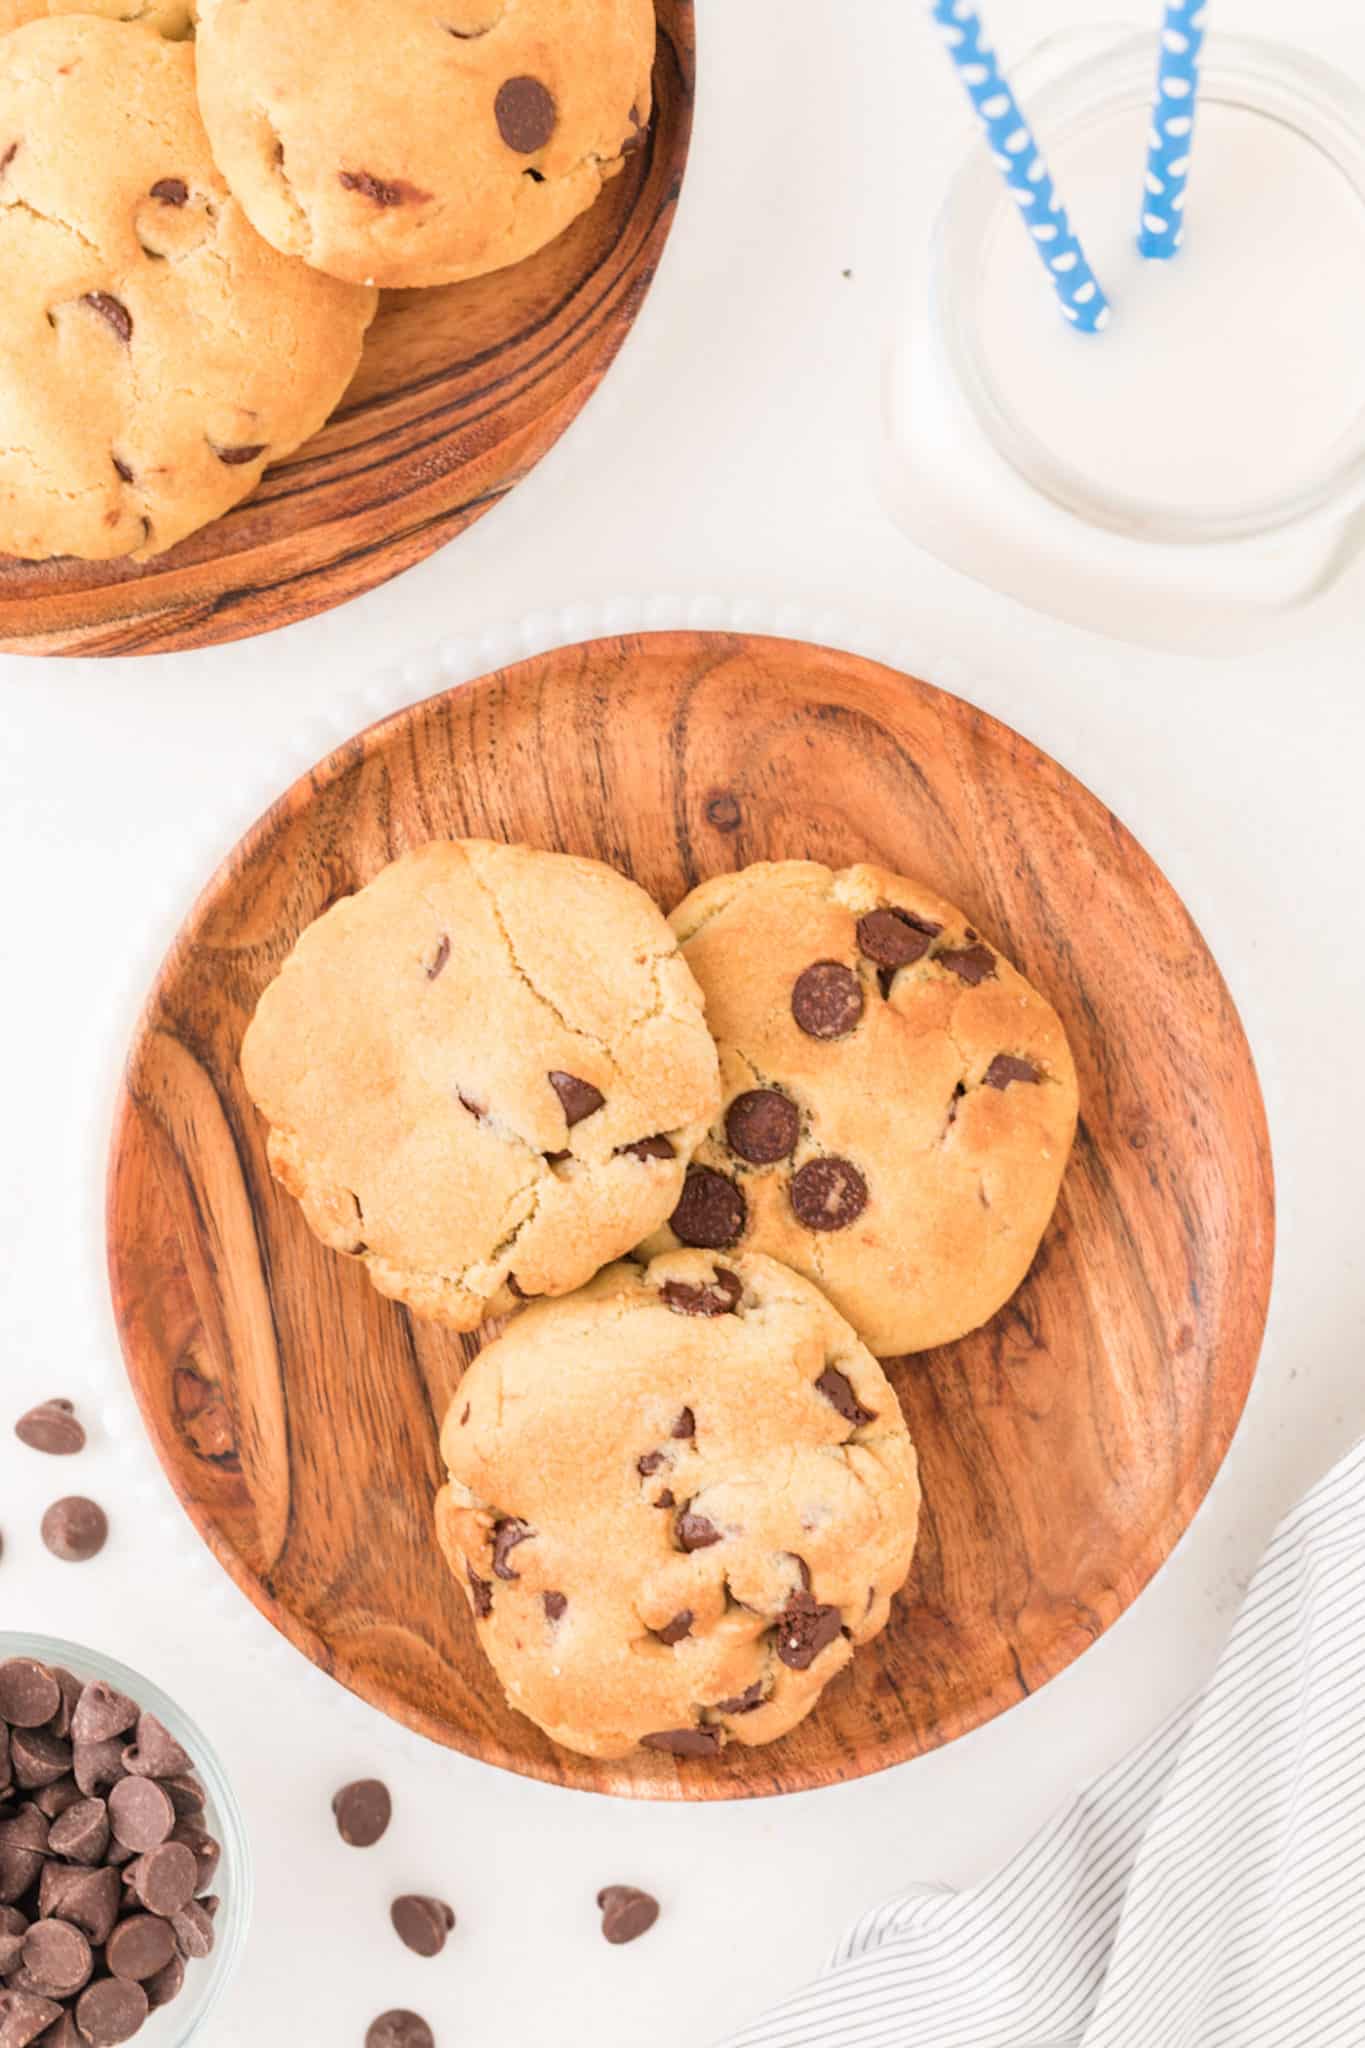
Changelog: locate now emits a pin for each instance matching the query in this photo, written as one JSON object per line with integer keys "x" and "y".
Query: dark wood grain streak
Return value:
{"x": 1065, "y": 1447}
{"x": 459, "y": 394}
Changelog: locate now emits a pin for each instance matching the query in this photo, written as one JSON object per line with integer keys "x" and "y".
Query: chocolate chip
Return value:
{"x": 111, "y": 2012}
{"x": 38, "y": 1757}
{"x": 102, "y": 1712}
{"x": 482, "y": 1592}
{"x": 25, "y": 1829}
{"x": 665, "y": 1499}
{"x": 81, "y": 1834}
{"x": 193, "y": 1928}
{"x": 743, "y": 1703}
{"x": 828, "y": 1194}
{"x": 972, "y": 964}
{"x": 649, "y": 1148}
{"x": 186, "y": 1794}
{"x": 29, "y": 1694}
{"x": 827, "y": 1000}
{"x": 626, "y": 1912}
{"x": 97, "y": 1765}
{"x": 442, "y": 955}
{"x": 1005, "y": 1068}
{"x": 71, "y": 1689}
{"x": 24, "y": 2017}
{"x": 165, "y": 1984}
{"x": 804, "y": 1629}
{"x": 711, "y": 1213}
{"x": 113, "y": 312}
{"x": 139, "y": 1947}
{"x": 718, "y": 1297}
{"x": 13, "y": 1928}
{"x": 577, "y": 1098}
{"x": 121, "y": 469}
{"x": 58, "y": 1955}
{"x": 554, "y": 1605}
{"x": 894, "y": 938}
{"x": 89, "y": 1899}
{"x": 762, "y": 1126}
{"x": 156, "y": 1753}
{"x": 650, "y": 1463}
{"x": 421, "y": 1924}
{"x": 245, "y": 451}
{"x": 140, "y": 1813}
{"x": 526, "y": 114}
{"x": 75, "y": 1529}
{"x": 695, "y": 1532}
{"x": 7, "y": 157}
{"x": 384, "y": 192}
{"x": 165, "y": 1880}
{"x": 508, "y": 1531}
{"x": 52, "y": 1425}
{"x": 205, "y": 1848}
{"x": 19, "y": 1871}
{"x": 399, "y": 2029}
{"x": 684, "y": 1741}
{"x": 674, "y": 1631}
{"x": 556, "y": 1158}
{"x": 838, "y": 1391}
{"x": 363, "y": 1811}
{"x": 685, "y": 1425}
{"x": 171, "y": 191}
{"x": 475, "y": 1109}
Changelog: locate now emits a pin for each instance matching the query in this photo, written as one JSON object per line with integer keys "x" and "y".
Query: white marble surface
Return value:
{"x": 729, "y": 460}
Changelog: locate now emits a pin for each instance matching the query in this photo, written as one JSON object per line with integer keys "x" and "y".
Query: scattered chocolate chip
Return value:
{"x": 165, "y": 1984}
{"x": 38, "y": 1757}
{"x": 650, "y": 1148}
{"x": 554, "y": 1605}
{"x": 384, "y": 192}
{"x": 665, "y": 1499}
{"x": 838, "y": 1391}
{"x": 75, "y": 1529}
{"x": 140, "y": 1814}
{"x": 102, "y": 1712}
{"x": 743, "y": 1703}
{"x": 526, "y": 114}
{"x": 156, "y": 1753}
{"x": 762, "y": 1126}
{"x": 695, "y": 1532}
{"x": 626, "y": 1912}
{"x": 363, "y": 1811}
{"x": 171, "y": 191}
{"x": 482, "y": 1592}
{"x": 716, "y": 1297}
{"x": 23, "y": 2017}
{"x": 827, "y": 1000}
{"x": 399, "y": 2029}
{"x": 97, "y": 1765}
{"x": 972, "y": 964}
{"x": 828, "y": 1194}
{"x": 650, "y": 1463}
{"x": 684, "y": 1741}
{"x": 894, "y": 938}
{"x": 442, "y": 955}
{"x": 113, "y": 312}
{"x": 29, "y": 1694}
{"x": 52, "y": 1425}
{"x": 674, "y": 1631}
{"x": 711, "y": 1213}
{"x": 110, "y": 2012}
{"x": 508, "y": 1531}
{"x": 804, "y": 1629}
{"x": 421, "y": 1924}
{"x": 81, "y": 1833}
{"x": 577, "y": 1098}
{"x": 1005, "y": 1068}
{"x": 58, "y": 1955}
{"x": 246, "y": 451}
{"x": 193, "y": 1928}
{"x": 165, "y": 1880}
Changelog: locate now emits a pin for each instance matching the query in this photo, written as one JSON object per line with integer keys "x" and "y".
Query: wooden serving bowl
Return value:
{"x": 1065, "y": 1447}
{"x": 459, "y": 393}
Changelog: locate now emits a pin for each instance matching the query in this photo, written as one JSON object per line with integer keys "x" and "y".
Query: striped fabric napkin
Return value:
{"x": 1207, "y": 1893}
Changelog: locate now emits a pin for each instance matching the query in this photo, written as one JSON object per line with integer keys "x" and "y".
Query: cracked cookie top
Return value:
{"x": 484, "y": 1075}
{"x": 155, "y": 353}
{"x": 677, "y": 1500}
{"x": 397, "y": 143}
{"x": 898, "y": 1102}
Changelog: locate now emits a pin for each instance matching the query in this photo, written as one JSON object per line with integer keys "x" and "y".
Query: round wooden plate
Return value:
{"x": 1064, "y": 1448}
{"x": 459, "y": 393}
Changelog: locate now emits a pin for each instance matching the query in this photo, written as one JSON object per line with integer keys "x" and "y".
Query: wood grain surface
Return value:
{"x": 460, "y": 392}
{"x": 1065, "y": 1447}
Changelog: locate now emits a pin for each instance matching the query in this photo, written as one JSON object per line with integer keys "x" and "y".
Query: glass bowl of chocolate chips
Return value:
{"x": 125, "y": 1875}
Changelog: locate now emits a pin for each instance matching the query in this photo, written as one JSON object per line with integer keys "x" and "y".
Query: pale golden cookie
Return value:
{"x": 898, "y": 1102}
{"x": 155, "y": 353}
{"x": 393, "y": 142}
{"x": 677, "y": 1500}
{"x": 484, "y": 1075}
{"x": 168, "y": 17}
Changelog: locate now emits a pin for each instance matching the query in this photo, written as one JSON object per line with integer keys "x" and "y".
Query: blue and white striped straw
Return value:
{"x": 1168, "y": 157}
{"x": 1018, "y": 156}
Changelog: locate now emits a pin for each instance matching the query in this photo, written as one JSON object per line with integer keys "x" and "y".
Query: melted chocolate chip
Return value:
{"x": 555, "y": 1605}
{"x": 827, "y": 1000}
{"x": 113, "y": 312}
{"x": 711, "y": 1213}
{"x": 804, "y": 1629}
{"x": 482, "y": 1592}
{"x": 577, "y": 1098}
{"x": 674, "y": 1631}
{"x": 695, "y": 1532}
{"x": 649, "y": 1148}
{"x": 235, "y": 458}
{"x": 684, "y": 1741}
{"x": 122, "y": 469}
{"x": 686, "y": 1424}
{"x": 743, "y": 1703}
{"x": 650, "y": 1463}
{"x": 508, "y": 1531}
{"x": 666, "y": 1499}
{"x": 526, "y": 114}
{"x": 1005, "y": 1068}
{"x": 442, "y": 955}
{"x": 894, "y": 938}
{"x": 972, "y": 964}
{"x": 718, "y": 1297}
{"x": 838, "y": 1391}
{"x": 762, "y": 1126}
{"x": 171, "y": 191}
{"x": 384, "y": 192}
{"x": 828, "y": 1194}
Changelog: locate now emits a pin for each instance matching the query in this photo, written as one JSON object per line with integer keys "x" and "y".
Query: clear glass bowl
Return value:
{"x": 183, "y": 2021}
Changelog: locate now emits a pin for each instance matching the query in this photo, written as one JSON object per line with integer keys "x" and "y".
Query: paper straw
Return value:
{"x": 1168, "y": 157}
{"x": 1019, "y": 157}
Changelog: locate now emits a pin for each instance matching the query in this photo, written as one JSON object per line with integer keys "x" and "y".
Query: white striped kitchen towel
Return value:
{"x": 1207, "y": 1893}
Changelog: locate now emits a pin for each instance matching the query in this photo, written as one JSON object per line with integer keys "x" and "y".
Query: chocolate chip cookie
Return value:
{"x": 396, "y": 143}
{"x": 168, "y": 17}
{"x": 899, "y": 1103}
{"x": 677, "y": 1501}
{"x": 484, "y": 1075}
{"x": 155, "y": 353}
